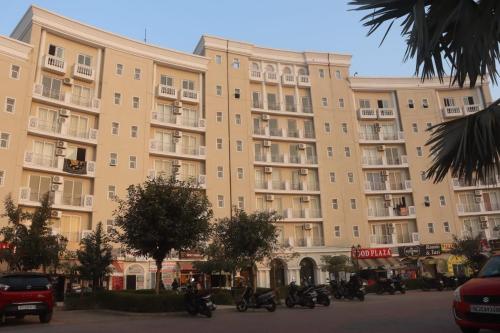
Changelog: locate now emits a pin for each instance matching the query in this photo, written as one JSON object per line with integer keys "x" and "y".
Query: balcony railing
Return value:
{"x": 452, "y": 111}
{"x": 375, "y": 186}
{"x": 59, "y": 164}
{"x": 172, "y": 148}
{"x": 381, "y": 239}
{"x": 273, "y": 106}
{"x": 288, "y": 79}
{"x": 54, "y": 64}
{"x": 378, "y": 212}
{"x": 80, "y": 202}
{"x": 271, "y": 77}
{"x": 257, "y": 104}
{"x": 255, "y": 75}
{"x": 68, "y": 100}
{"x": 387, "y": 212}
{"x": 83, "y": 72}
{"x": 367, "y": 113}
{"x": 188, "y": 95}
{"x": 41, "y": 160}
{"x": 470, "y": 109}
{"x": 386, "y": 113}
{"x": 303, "y": 81}
{"x": 372, "y": 160}
{"x": 167, "y": 92}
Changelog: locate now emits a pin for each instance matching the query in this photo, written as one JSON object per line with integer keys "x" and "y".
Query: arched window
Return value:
{"x": 255, "y": 66}
{"x": 270, "y": 68}
{"x": 287, "y": 70}
{"x": 302, "y": 71}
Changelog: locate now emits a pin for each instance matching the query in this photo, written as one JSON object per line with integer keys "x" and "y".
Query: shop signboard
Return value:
{"x": 190, "y": 255}
{"x": 427, "y": 250}
{"x": 4, "y": 245}
{"x": 383, "y": 252}
{"x": 409, "y": 251}
{"x": 446, "y": 247}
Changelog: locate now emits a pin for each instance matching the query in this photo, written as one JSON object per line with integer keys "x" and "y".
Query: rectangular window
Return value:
{"x": 353, "y": 204}
{"x": 72, "y": 193}
{"x": 335, "y": 204}
{"x": 337, "y": 231}
{"x": 119, "y": 69}
{"x": 132, "y": 162}
{"x": 355, "y": 231}
{"x": 236, "y": 63}
{"x": 218, "y": 117}
{"x": 14, "y": 72}
{"x": 350, "y": 177}
{"x": 111, "y": 192}
{"x": 218, "y": 90}
{"x": 329, "y": 152}
{"x": 188, "y": 84}
{"x": 56, "y": 51}
{"x": 109, "y": 226}
{"x": 220, "y": 172}
{"x": 332, "y": 177}
{"x": 137, "y": 74}
{"x": 341, "y": 103}
{"x": 425, "y": 103}
{"x": 239, "y": 145}
{"x": 135, "y": 102}
{"x": 118, "y": 98}
{"x": 430, "y": 227}
{"x": 423, "y": 176}
{"x": 344, "y": 128}
{"x": 324, "y": 101}
{"x": 414, "y": 126}
{"x": 113, "y": 159}
{"x": 347, "y": 151}
{"x": 2, "y": 177}
{"x": 241, "y": 202}
{"x": 327, "y": 128}
{"x": 237, "y": 93}
{"x": 364, "y": 103}
{"x": 133, "y": 131}
{"x": 338, "y": 75}
{"x": 427, "y": 200}
{"x": 218, "y": 59}
{"x": 321, "y": 73}
{"x": 39, "y": 186}
{"x": 446, "y": 226}
{"x": 419, "y": 151}
{"x": 239, "y": 173}
{"x": 220, "y": 201}
{"x": 237, "y": 119}
{"x": 4, "y": 140}
{"x": 219, "y": 143}
{"x": 84, "y": 59}
{"x": 429, "y": 125}
{"x": 442, "y": 201}
{"x": 411, "y": 104}
{"x": 115, "y": 128}
{"x": 10, "y": 105}
{"x": 166, "y": 80}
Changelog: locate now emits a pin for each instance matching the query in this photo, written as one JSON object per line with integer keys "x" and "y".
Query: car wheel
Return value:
{"x": 469, "y": 330}
{"x": 271, "y": 307}
{"x": 289, "y": 302}
{"x": 241, "y": 306}
{"x": 45, "y": 317}
{"x": 208, "y": 313}
{"x": 310, "y": 304}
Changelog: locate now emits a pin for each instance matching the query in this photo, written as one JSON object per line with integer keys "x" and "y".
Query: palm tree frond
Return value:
{"x": 468, "y": 147}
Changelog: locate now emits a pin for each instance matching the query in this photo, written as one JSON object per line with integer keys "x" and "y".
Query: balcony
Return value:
{"x": 190, "y": 96}
{"x": 257, "y": 104}
{"x": 288, "y": 80}
{"x": 54, "y": 64}
{"x": 478, "y": 208}
{"x": 281, "y": 134}
{"x": 166, "y": 92}
{"x": 83, "y": 72}
{"x": 59, "y": 164}
{"x": 176, "y": 150}
{"x": 460, "y": 184}
{"x": 392, "y": 240}
{"x": 386, "y": 113}
{"x": 256, "y": 76}
{"x": 285, "y": 159}
{"x": 387, "y": 187}
{"x": 302, "y": 214}
{"x": 83, "y": 202}
{"x": 367, "y": 113}
{"x": 271, "y": 77}
{"x": 279, "y": 186}
{"x": 66, "y": 100}
{"x": 452, "y": 112}
{"x": 379, "y": 137}
{"x": 61, "y": 131}
{"x": 470, "y": 109}
{"x": 383, "y": 213}
{"x": 384, "y": 162}
{"x": 303, "y": 81}
{"x": 170, "y": 120}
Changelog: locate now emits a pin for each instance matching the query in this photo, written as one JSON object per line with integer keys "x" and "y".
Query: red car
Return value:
{"x": 476, "y": 303}
{"x": 24, "y": 294}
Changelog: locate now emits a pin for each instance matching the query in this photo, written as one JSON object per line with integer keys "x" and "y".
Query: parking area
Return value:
{"x": 413, "y": 312}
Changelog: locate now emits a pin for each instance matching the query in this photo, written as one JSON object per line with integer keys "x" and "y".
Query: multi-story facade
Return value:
{"x": 87, "y": 113}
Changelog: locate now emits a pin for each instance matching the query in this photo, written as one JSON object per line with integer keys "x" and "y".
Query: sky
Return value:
{"x": 312, "y": 25}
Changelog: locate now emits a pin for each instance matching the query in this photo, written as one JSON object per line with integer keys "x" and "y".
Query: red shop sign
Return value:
{"x": 4, "y": 245}
{"x": 382, "y": 252}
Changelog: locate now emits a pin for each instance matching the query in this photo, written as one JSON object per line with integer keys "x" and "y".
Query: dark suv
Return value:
{"x": 24, "y": 294}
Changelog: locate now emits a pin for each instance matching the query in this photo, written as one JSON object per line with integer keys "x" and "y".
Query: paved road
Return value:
{"x": 414, "y": 312}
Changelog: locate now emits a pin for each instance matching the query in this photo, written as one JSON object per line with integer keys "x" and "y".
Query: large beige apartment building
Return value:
{"x": 85, "y": 113}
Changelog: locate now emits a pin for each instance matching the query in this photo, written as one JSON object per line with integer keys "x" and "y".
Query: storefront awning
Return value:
{"x": 382, "y": 263}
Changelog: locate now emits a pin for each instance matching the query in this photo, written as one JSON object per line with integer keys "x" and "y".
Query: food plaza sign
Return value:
{"x": 420, "y": 250}
{"x": 383, "y": 252}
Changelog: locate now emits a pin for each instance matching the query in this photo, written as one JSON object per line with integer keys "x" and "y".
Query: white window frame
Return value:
{"x": 420, "y": 152}
{"x": 347, "y": 151}
{"x": 338, "y": 74}
{"x": 425, "y": 103}
{"x": 134, "y": 131}
{"x": 354, "y": 204}
{"x": 3, "y": 174}
{"x": 218, "y": 59}
{"x": 341, "y": 103}
{"x": 350, "y": 177}
{"x": 11, "y": 105}
{"x": 18, "y": 72}
{"x": 411, "y": 103}
{"x": 219, "y": 144}
{"x": 220, "y": 201}
{"x": 442, "y": 200}
{"x": 344, "y": 128}
{"x": 446, "y": 225}
{"x": 239, "y": 145}
{"x": 111, "y": 193}
{"x": 85, "y": 57}
{"x": 113, "y": 127}
{"x": 321, "y": 73}
{"x": 324, "y": 102}
{"x": 219, "y": 116}
{"x": 237, "y": 119}
{"x": 355, "y": 231}
{"x": 414, "y": 127}
{"x": 337, "y": 231}
{"x": 329, "y": 152}
{"x": 236, "y": 63}
{"x": 111, "y": 158}
{"x": 241, "y": 202}
{"x": 132, "y": 162}
{"x": 119, "y": 69}
{"x": 240, "y": 173}
{"x": 136, "y": 102}
{"x": 7, "y": 140}
{"x": 119, "y": 96}
{"x": 333, "y": 177}
{"x": 237, "y": 93}
{"x": 335, "y": 203}
{"x": 218, "y": 90}
{"x": 220, "y": 172}
{"x": 430, "y": 228}
{"x": 137, "y": 73}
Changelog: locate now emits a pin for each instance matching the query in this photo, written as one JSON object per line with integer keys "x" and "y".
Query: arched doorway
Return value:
{"x": 307, "y": 268}
{"x": 277, "y": 273}
{"x": 134, "y": 277}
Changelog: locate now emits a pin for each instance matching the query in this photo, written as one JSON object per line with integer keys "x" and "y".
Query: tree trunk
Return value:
{"x": 252, "y": 279}
{"x": 158, "y": 276}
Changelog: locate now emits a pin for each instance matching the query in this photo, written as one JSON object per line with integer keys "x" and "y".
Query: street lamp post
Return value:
{"x": 355, "y": 252}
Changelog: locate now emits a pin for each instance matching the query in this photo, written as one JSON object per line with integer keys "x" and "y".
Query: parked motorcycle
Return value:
{"x": 323, "y": 297}
{"x": 450, "y": 282}
{"x": 249, "y": 299}
{"x": 432, "y": 283}
{"x": 399, "y": 285}
{"x": 196, "y": 303}
{"x": 385, "y": 285}
{"x": 349, "y": 290}
{"x": 305, "y": 296}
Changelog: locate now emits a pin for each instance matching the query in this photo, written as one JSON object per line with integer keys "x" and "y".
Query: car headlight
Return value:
{"x": 456, "y": 295}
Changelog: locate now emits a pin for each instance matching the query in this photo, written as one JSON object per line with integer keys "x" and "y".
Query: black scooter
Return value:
{"x": 306, "y": 296}
{"x": 323, "y": 295}
{"x": 385, "y": 285}
{"x": 256, "y": 301}
{"x": 432, "y": 283}
{"x": 198, "y": 304}
{"x": 348, "y": 290}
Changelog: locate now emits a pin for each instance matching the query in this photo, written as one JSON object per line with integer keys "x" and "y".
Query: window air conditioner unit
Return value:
{"x": 63, "y": 112}
{"x": 268, "y": 170}
{"x": 381, "y": 148}
{"x": 265, "y": 117}
{"x": 55, "y": 214}
{"x": 478, "y": 193}
{"x": 60, "y": 152}
{"x": 305, "y": 198}
{"x": 302, "y": 146}
{"x": 483, "y": 225}
{"x": 384, "y": 173}
{"x": 483, "y": 219}
{"x": 177, "y": 134}
{"x": 177, "y": 110}
{"x": 387, "y": 204}
{"x": 57, "y": 179}
{"x": 267, "y": 143}
{"x": 387, "y": 197}
{"x": 477, "y": 199}
{"x": 269, "y": 197}
{"x": 304, "y": 172}
{"x": 307, "y": 226}
{"x": 68, "y": 81}
{"x": 56, "y": 187}
{"x": 61, "y": 144}
{"x": 176, "y": 163}
{"x": 377, "y": 127}
{"x": 178, "y": 104}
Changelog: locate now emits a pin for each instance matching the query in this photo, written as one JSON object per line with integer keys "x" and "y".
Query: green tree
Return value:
{"x": 336, "y": 264}
{"x": 470, "y": 248}
{"x": 464, "y": 34}
{"x": 33, "y": 246}
{"x": 245, "y": 239}
{"x": 95, "y": 257}
{"x": 161, "y": 215}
